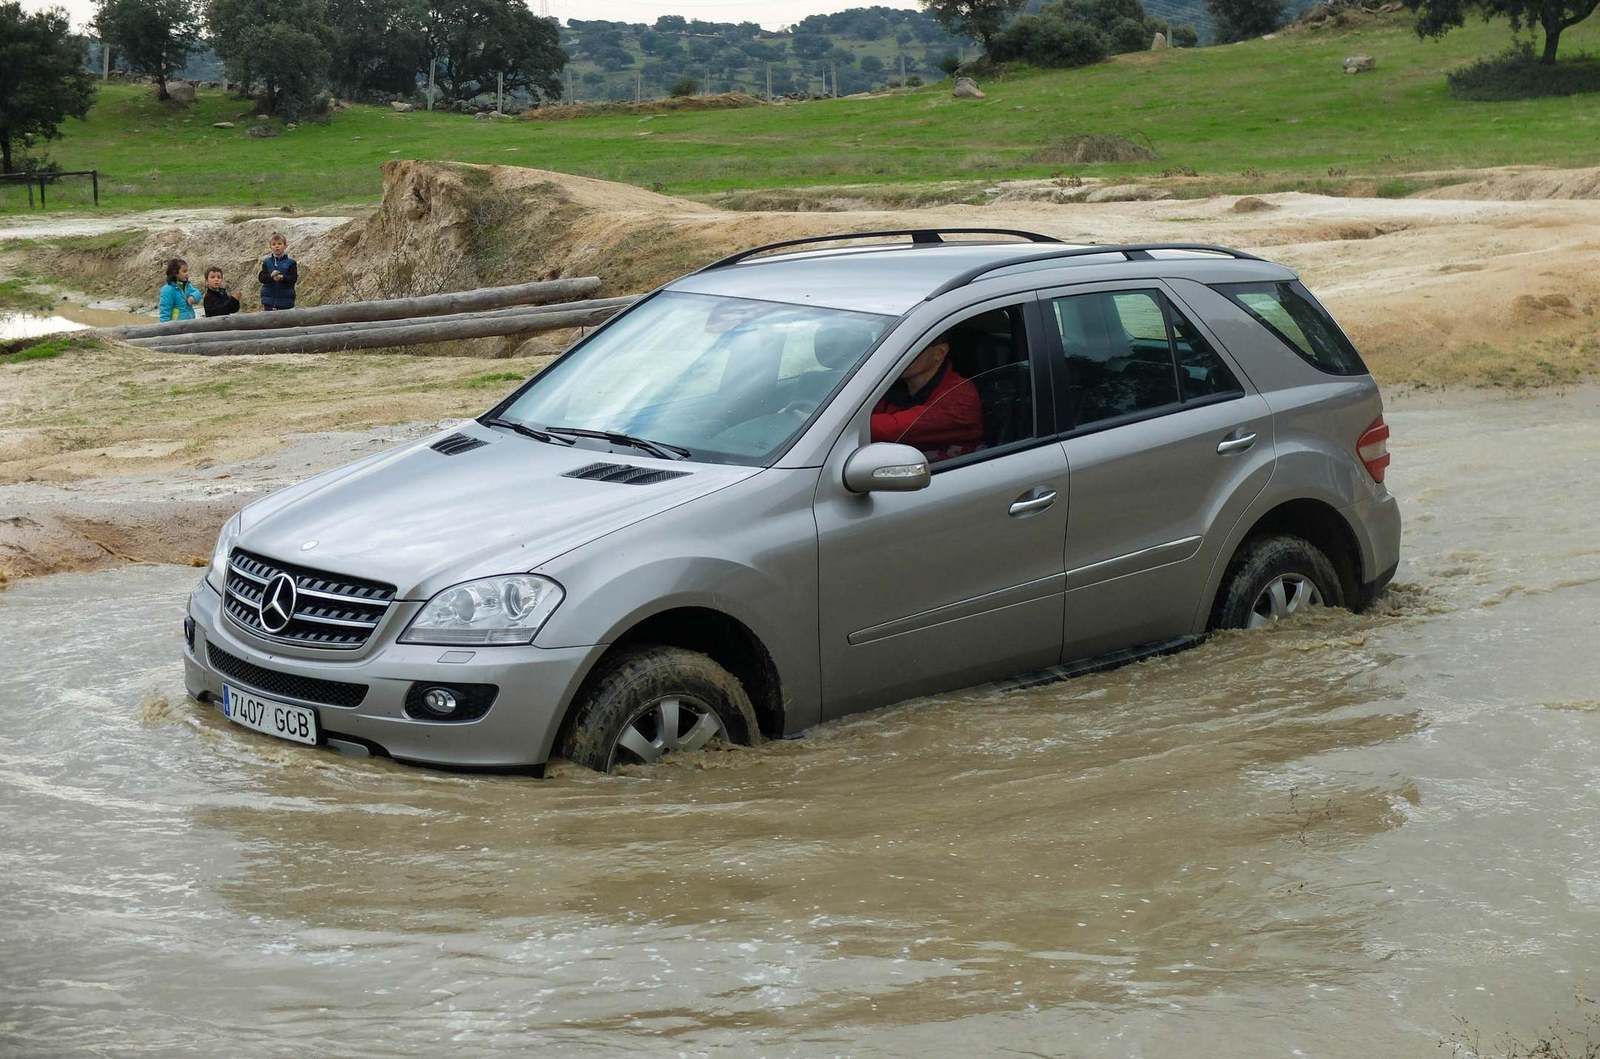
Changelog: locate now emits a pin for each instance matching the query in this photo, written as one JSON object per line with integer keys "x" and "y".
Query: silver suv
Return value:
{"x": 794, "y": 485}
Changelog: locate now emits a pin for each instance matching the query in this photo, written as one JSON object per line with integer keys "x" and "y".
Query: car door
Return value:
{"x": 960, "y": 581}
{"x": 1167, "y": 444}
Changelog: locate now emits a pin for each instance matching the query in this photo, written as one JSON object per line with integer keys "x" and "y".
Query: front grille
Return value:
{"x": 271, "y": 682}
{"x": 623, "y": 474}
{"x": 330, "y": 610}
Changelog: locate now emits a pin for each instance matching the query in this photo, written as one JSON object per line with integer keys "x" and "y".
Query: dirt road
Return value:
{"x": 1346, "y": 836}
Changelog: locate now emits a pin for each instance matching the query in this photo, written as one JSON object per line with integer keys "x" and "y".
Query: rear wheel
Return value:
{"x": 1272, "y": 578}
{"x": 654, "y": 701}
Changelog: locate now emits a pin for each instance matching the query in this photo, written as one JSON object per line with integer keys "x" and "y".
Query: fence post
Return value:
{"x": 499, "y": 92}
{"x": 94, "y": 175}
{"x": 105, "y": 59}
{"x": 41, "y": 191}
{"x": 431, "y": 63}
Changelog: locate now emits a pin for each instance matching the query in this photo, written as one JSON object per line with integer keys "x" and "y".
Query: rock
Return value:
{"x": 1359, "y": 64}
{"x": 222, "y": 124}
{"x": 1391, "y": 8}
{"x": 263, "y": 132}
{"x": 403, "y": 108}
{"x": 1127, "y": 193}
{"x": 290, "y": 126}
{"x": 966, "y": 88}
{"x": 492, "y": 114}
{"x": 180, "y": 91}
{"x": 482, "y": 115}
{"x": 1269, "y": 36}
{"x": 1159, "y": 42}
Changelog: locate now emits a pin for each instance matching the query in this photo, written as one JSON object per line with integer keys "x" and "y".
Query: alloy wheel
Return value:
{"x": 675, "y": 722}
{"x": 1284, "y": 595}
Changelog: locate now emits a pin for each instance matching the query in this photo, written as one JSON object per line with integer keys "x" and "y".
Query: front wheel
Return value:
{"x": 1272, "y": 578}
{"x": 653, "y": 701}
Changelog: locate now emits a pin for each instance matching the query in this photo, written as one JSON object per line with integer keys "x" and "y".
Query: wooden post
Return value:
{"x": 500, "y": 92}
{"x": 105, "y": 59}
{"x": 769, "y": 82}
{"x": 431, "y": 64}
{"x": 902, "y": 69}
{"x": 835, "y": 80}
{"x": 638, "y": 86}
{"x": 94, "y": 175}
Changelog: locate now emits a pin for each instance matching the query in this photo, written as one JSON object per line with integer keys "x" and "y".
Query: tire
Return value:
{"x": 634, "y": 691}
{"x": 1245, "y": 600}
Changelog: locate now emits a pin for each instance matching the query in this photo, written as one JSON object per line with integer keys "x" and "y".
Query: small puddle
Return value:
{"x": 64, "y": 317}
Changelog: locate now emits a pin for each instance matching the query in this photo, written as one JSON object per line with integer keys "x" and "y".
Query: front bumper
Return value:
{"x": 536, "y": 687}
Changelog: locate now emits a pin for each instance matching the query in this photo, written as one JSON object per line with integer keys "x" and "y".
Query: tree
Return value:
{"x": 150, "y": 37}
{"x": 1244, "y": 19}
{"x": 981, "y": 20}
{"x": 1184, "y": 37}
{"x": 1048, "y": 39}
{"x": 474, "y": 40}
{"x": 684, "y": 86}
{"x": 1435, "y": 18}
{"x": 376, "y": 45}
{"x": 276, "y": 44}
{"x": 43, "y": 81}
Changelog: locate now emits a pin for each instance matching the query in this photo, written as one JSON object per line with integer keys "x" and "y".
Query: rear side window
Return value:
{"x": 1132, "y": 352}
{"x": 1289, "y": 311}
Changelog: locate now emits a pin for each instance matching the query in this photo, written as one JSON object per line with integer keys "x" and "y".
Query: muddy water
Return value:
{"x": 1343, "y": 836}
{"x": 63, "y": 317}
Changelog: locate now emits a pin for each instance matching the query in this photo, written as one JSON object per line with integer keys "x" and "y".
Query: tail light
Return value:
{"x": 1373, "y": 448}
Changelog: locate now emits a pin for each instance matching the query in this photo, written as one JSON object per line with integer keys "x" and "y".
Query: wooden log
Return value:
{"x": 408, "y": 334}
{"x": 556, "y": 290}
{"x": 173, "y": 343}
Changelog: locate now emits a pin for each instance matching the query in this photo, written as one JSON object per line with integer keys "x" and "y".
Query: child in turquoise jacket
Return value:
{"x": 178, "y": 295}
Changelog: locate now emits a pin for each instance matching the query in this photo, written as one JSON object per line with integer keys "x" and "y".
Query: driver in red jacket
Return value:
{"x": 931, "y": 407}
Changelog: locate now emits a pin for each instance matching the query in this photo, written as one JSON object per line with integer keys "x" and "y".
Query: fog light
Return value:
{"x": 188, "y": 632}
{"x": 440, "y": 701}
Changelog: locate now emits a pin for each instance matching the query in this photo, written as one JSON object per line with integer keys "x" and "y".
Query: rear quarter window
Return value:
{"x": 1290, "y": 312}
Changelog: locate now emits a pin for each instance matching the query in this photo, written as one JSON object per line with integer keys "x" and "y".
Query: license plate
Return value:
{"x": 297, "y": 723}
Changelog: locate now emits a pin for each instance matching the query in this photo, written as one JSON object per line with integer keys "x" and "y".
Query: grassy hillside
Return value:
{"x": 1253, "y": 116}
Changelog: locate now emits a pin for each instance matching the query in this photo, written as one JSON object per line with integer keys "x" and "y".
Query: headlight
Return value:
{"x": 495, "y": 610}
{"x": 217, "y": 574}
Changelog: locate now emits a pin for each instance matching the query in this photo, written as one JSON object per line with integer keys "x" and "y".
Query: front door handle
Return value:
{"x": 1036, "y": 499}
{"x": 1235, "y": 442}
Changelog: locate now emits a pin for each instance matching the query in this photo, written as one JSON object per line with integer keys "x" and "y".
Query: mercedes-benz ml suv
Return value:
{"x": 800, "y": 483}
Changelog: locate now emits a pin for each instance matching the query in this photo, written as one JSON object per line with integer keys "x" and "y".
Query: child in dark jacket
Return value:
{"x": 218, "y": 301}
{"x": 278, "y": 275}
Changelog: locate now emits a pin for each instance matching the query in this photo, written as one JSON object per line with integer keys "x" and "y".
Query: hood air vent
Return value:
{"x": 456, "y": 443}
{"x": 624, "y": 474}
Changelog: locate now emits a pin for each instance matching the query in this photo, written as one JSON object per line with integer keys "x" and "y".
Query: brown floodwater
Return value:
{"x": 1347, "y": 835}
{"x": 65, "y": 317}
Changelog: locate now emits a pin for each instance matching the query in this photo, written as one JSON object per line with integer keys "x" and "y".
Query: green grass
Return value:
{"x": 14, "y": 294}
{"x": 49, "y": 349}
{"x": 1257, "y": 116}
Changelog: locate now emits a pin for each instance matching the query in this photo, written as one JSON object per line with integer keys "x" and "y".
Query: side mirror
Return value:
{"x": 886, "y": 468}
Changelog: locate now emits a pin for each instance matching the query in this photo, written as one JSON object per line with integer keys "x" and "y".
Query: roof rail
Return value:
{"x": 1132, "y": 251}
{"x": 919, "y": 236}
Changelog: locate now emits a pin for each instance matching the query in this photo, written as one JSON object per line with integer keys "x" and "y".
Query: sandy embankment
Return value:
{"x": 125, "y": 453}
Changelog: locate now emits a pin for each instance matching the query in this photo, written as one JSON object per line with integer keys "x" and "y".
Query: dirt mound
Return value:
{"x": 720, "y": 101}
{"x": 1251, "y": 204}
{"x": 1087, "y": 148}
{"x": 1520, "y": 185}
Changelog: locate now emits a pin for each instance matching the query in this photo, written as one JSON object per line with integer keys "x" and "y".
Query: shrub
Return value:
{"x": 684, "y": 86}
{"x": 1517, "y": 73}
{"x": 1244, "y": 19}
{"x": 1050, "y": 42}
{"x": 1128, "y": 35}
{"x": 1184, "y": 37}
{"x": 950, "y": 62}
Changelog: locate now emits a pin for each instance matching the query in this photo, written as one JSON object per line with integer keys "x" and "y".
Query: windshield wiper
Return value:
{"x": 655, "y": 448}
{"x": 528, "y": 432}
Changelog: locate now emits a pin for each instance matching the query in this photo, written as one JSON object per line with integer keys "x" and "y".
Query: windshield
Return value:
{"x": 728, "y": 379}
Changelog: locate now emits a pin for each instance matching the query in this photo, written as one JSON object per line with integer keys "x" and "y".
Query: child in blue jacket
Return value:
{"x": 278, "y": 275}
{"x": 178, "y": 295}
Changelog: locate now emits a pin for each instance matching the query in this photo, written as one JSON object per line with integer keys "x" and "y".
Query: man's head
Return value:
{"x": 927, "y": 363}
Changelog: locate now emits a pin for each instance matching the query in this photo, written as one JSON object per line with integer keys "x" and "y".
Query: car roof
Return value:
{"x": 892, "y": 279}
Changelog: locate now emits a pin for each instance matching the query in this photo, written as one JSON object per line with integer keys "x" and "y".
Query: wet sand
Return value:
{"x": 1348, "y": 835}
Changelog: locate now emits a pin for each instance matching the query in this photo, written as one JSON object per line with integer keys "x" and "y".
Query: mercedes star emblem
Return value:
{"x": 276, "y": 608}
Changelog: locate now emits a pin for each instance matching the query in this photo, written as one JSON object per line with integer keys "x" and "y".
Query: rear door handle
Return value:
{"x": 1235, "y": 443}
{"x": 1036, "y": 499}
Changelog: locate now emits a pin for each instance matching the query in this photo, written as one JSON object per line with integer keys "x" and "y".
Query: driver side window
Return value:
{"x": 969, "y": 389}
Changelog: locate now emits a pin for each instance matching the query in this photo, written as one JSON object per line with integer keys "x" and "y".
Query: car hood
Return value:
{"x": 422, "y": 520}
